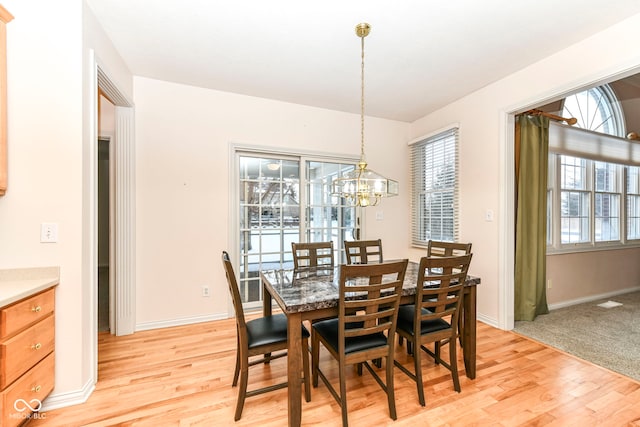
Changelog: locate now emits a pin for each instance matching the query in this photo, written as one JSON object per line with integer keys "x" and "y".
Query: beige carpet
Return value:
{"x": 609, "y": 337}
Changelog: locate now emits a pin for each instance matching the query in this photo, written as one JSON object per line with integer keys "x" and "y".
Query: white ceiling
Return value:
{"x": 419, "y": 56}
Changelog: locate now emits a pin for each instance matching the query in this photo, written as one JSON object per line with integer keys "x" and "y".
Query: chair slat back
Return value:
{"x": 317, "y": 254}
{"x": 235, "y": 291}
{"x": 438, "y": 248}
{"x": 363, "y": 251}
{"x": 440, "y": 286}
{"x": 369, "y": 298}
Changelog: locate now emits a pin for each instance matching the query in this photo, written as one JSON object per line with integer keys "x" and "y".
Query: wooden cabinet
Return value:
{"x": 27, "y": 341}
{"x": 5, "y": 17}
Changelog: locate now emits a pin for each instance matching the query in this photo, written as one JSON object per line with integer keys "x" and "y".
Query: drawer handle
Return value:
{"x": 36, "y": 388}
{"x": 36, "y": 309}
{"x": 36, "y": 346}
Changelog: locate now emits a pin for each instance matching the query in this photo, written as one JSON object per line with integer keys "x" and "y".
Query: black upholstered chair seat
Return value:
{"x": 328, "y": 329}
{"x": 269, "y": 330}
{"x": 405, "y": 321}
{"x": 260, "y": 341}
{"x": 436, "y": 312}
{"x": 366, "y": 324}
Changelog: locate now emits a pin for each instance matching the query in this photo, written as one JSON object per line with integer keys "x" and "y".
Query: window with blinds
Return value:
{"x": 434, "y": 179}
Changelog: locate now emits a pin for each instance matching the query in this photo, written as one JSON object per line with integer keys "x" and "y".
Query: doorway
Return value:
{"x": 104, "y": 240}
{"x": 115, "y": 121}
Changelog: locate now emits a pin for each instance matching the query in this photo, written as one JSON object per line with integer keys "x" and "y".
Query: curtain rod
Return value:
{"x": 535, "y": 112}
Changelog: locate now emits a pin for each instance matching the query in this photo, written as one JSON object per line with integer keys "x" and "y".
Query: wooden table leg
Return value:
{"x": 266, "y": 308}
{"x": 294, "y": 368}
{"x": 266, "y": 301}
{"x": 469, "y": 331}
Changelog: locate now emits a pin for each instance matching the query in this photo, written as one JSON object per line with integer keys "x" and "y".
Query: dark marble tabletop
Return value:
{"x": 311, "y": 289}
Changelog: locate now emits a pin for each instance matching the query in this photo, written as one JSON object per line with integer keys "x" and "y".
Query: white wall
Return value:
{"x": 47, "y": 136}
{"x": 486, "y": 140}
{"x": 183, "y": 135}
{"x": 44, "y": 61}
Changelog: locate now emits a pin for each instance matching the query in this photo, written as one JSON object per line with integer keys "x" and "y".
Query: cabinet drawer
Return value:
{"x": 31, "y": 388}
{"x": 22, "y": 351}
{"x": 26, "y": 312}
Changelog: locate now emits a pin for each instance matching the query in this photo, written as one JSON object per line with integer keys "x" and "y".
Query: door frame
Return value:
{"x": 123, "y": 268}
{"x": 236, "y": 150}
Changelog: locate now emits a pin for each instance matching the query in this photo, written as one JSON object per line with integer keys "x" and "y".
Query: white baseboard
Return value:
{"x": 592, "y": 298}
{"x": 489, "y": 321}
{"x": 146, "y": 326}
{"x": 62, "y": 400}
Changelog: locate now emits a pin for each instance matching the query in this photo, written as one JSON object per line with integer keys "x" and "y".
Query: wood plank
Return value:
{"x": 182, "y": 377}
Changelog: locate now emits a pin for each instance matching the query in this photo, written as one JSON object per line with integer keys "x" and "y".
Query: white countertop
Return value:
{"x": 19, "y": 283}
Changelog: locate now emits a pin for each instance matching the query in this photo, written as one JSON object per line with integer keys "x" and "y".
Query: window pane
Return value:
{"x": 633, "y": 202}
{"x": 269, "y": 218}
{"x": 551, "y": 173}
{"x": 329, "y": 218}
{"x": 574, "y": 216}
{"x": 633, "y": 180}
{"x": 573, "y": 173}
{"x": 434, "y": 172}
{"x": 633, "y": 217}
{"x": 606, "y": 204}
{"x": 549, "y": 216}
{"x": 606, "y": 177}
{"x": 607, "y": 217}
{"x": 594, "y": 110}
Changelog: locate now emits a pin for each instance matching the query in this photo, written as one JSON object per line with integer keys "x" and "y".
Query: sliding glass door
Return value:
{"x": 327, "y": 218}
{"x": 283, "y": 199}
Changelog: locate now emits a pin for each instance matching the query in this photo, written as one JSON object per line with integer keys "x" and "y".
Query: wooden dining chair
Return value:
{"x": 433, "y": 318}
{"x": 259, "y": 337}
{"x": 358, "y": 334}
{"x": 317, "y": 254}
{"x": 440, "y": 248}
{"x": 363, "y": 251}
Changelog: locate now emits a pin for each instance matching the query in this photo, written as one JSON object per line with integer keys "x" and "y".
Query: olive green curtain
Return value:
{"x": 532, "y": 148}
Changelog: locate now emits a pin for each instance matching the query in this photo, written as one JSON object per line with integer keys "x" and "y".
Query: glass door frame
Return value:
{"x": 233, "y": 238}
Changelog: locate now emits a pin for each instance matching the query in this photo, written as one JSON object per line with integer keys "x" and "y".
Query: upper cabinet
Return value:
{"x": 5, "y": 17}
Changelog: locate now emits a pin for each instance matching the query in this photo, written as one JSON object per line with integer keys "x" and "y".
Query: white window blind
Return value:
{"x": 434, "y": 198}
{"x": 592, "y": 145}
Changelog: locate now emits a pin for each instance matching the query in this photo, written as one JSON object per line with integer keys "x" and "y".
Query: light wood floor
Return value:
{"x": 182, "y": 377}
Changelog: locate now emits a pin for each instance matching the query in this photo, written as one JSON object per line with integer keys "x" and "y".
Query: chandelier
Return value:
{"x": 362, "y": 186}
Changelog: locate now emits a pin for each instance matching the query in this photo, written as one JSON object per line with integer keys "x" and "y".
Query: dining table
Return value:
{"x": 312, "y": 293}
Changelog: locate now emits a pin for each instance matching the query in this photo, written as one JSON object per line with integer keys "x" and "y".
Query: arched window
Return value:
{"x": 596, "y": 109}
{"x": 588, "y": 204}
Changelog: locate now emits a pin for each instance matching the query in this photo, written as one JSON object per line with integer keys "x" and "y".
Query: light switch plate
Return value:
{"x": 48, "y": 232}
{"x": 488, "y": 215}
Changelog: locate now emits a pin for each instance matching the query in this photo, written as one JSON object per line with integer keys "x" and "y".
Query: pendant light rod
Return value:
{"x": 362, "y": 31}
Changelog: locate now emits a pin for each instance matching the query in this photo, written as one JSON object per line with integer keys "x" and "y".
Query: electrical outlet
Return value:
{"x": 206, "y": 292}
{"x": 549, "y": 284}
